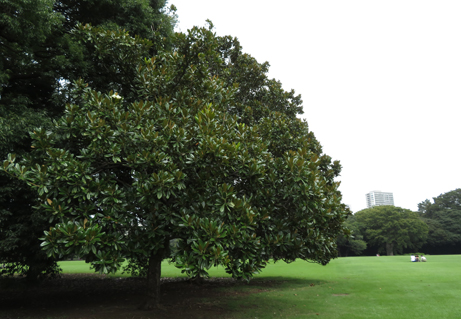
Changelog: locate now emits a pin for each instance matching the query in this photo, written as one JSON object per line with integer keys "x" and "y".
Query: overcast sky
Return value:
{"x": 380, "y": 81}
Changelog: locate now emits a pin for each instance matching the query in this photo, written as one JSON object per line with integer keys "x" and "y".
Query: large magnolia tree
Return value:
{"x": 183, "y": 171}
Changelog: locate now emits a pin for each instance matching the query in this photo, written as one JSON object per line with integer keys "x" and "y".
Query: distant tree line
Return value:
{"x": 434, "y": 229}
{"x": 443, "y": 218}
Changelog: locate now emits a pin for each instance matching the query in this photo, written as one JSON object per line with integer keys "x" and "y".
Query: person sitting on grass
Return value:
{"x": 413, "y": 258}
{"x": 417, "y": 258}
{"x": 423, "y": 259}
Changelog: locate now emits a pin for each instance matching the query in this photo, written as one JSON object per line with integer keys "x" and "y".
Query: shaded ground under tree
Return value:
{"x": 97, "y": 296}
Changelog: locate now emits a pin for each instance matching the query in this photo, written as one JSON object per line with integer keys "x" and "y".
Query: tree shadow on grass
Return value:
{"x": 96, "y": 296}
{"x": 273, "y": 295}
{"x": 280, "y": 281}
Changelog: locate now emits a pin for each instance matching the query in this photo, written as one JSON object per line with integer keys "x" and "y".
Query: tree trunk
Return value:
{"x": 198, "y": 280}
{"x": 32, "y": 273}
{"x": 153, "y": 282}
{"x": 390, "y": 249}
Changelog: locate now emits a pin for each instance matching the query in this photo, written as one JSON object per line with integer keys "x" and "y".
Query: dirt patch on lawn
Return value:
{"x": 95, "y": 296}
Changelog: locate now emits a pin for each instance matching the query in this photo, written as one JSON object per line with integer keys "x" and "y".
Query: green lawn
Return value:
{"x": 353, "y": 287}
{"x": 79, "y": 267}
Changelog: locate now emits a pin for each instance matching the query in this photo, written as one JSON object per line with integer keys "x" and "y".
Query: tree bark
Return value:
{"x": 390, "y": 249}
{"x": 153, "y": 282}
{"x": 32, "y": 274}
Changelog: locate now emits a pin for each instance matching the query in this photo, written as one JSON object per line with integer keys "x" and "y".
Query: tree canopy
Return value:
{"x": 41, "y": 54}
{"x": 181, "y": 169}
{"x": 443, "y": 216}
{"x": 392, "y": 228}
{"x": 352, "y": 244}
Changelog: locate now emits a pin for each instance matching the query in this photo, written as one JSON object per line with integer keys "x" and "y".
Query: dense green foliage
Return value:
{"x": 392, "y": 228}
{"x": 443, "y": 216}
{"x": 40, "y": 55}
{"x": 353, "y": 244}
{"x": 121, "y": 177}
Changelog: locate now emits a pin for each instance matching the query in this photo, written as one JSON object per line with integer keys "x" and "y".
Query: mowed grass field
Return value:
{"x": 351, "y": 287}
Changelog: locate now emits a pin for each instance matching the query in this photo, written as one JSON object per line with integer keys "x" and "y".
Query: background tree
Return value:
{"x": 354, "y": 243}
{"x": 443, "y": 216}
{"x": 122, "y": 179}
{"x": 40, "y": 55}
{"x": 392, "y": 228}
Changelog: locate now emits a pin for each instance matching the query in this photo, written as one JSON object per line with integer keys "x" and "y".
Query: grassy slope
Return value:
{"x": 354, "y": 287}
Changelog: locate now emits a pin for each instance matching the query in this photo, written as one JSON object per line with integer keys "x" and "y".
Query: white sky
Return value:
{"x": 380, "y": 81}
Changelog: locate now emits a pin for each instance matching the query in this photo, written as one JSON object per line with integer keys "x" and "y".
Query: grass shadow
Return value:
{"x": 106, "y": 297}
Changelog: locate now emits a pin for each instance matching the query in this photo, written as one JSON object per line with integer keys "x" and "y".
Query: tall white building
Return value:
{"x": 377, "y": 198}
